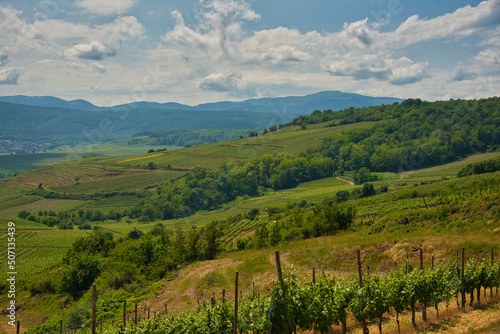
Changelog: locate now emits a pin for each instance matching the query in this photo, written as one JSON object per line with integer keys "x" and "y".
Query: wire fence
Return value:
{"x": 141, "y": 314}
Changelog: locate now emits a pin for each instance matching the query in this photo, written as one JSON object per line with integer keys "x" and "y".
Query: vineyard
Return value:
{"x": 321, "y": 304}
{"x": 40, "y": 248}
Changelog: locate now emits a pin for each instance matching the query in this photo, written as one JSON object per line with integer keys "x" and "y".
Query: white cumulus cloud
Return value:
{"x": 219, "y": 29}
{"x": 9, "y": 76}
{"x": 104, "y": 41}
{"x": 221, "y": 82}
{"x": 4, "y": 57}
{"x": 108, "y": 7}
{"x": 92, "y": 51}
{"x": 463, "y": 22}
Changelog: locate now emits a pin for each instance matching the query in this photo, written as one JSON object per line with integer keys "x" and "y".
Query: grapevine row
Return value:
{"x": 320, "y": 304}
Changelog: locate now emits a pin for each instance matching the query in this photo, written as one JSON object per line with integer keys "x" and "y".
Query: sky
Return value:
{"x": 111, "y": 52}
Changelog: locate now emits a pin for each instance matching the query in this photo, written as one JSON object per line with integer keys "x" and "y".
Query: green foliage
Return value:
{"x": 488, "y": 166}
{"x": 135, "y": 233}
{"x": 291, "y": 305}
{"x": 404, "y": 135}
{"x": 176, "y": 137}
{"x": 80, "y": 272}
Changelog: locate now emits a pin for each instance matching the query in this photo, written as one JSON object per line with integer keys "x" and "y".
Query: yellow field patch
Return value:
{"x": 149, "y": 156}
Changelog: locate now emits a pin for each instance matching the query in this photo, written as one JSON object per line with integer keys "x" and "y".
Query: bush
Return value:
{"x": 85, "y": 226}
{"x": 135, "y": 234}
{"x": 23, "y": 214}
{"x": 80, "y": 273}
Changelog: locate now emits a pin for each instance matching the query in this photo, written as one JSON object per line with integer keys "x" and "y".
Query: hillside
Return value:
{"x": 58, "y": 126}
{"x": 41, "y": 123}
{"x": 303, "y": 189}
{"x": 292, "y": 104}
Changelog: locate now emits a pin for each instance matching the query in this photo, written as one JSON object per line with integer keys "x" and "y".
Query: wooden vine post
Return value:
{"x": 278, "y": 265}
{"x": 492, "y": 261}
{"x": 94, "y": 308}
{"x": 124, "y": 313}
{"x": 135, "y": 319}
{"x": 424, "y": 307}
{"x": 280, "y": 278}
{"x": 463, "y": 277}
{"x": 360, "y": 274}
{"x": 236, "y": 303}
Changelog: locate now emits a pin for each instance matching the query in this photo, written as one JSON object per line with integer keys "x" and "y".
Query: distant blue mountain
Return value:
{"x": 153, "y": 105}
{"x": 50, "y": 120}
{"x": 304, "y": 105}
{"x": 49, "y": 101}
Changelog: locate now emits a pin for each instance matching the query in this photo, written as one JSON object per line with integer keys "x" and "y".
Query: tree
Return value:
{"x": 212, "y": 240}
{"x": 23, "y": 214}
{"x": 80, "y": 273}
{"x": 49, "y": 220}
{"x": 368, "y": 189}
{"x": 275, "y": 235}
{"x": 151, "y": 165}
{"x": 364, "y": 175}
{"x": 253, "y": 213}
{"x": 273, "y": 128}
{"x": 135, "y": 233}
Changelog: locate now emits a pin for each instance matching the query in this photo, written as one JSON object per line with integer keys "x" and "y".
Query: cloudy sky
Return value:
{"x": 192, "y": 51}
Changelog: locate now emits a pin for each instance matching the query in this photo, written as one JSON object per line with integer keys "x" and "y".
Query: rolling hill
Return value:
{"x": 263, "y": 193}
{"x": 45, "y": 122}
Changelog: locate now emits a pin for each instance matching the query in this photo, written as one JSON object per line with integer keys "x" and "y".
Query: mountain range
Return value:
{"x": 55, "y": 122}
{"x": 334, "y": 100}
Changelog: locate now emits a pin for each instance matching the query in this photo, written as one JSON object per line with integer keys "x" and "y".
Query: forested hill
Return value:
{"x": 411, "y": 134}
{"x": 403, "y": 136}
{"x": 393, "y": 138}
{"x": 55, "y": 122}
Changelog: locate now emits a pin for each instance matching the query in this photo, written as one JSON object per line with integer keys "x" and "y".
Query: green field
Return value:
{"x": 24, "y": 162}
{"x": 124, "y": 182}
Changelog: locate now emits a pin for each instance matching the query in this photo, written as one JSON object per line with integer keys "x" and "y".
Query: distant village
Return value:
{"x": 19, "y": 147}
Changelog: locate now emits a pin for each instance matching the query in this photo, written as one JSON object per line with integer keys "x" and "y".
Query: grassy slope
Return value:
{"x": 105, "y": 174}
{"x": 334, "y": 254}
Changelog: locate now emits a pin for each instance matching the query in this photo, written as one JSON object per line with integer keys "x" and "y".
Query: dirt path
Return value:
{"x": 341, "y": 179}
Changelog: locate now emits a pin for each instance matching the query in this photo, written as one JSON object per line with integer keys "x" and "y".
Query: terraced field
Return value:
{"x": 291, "y": 140}
{"x": 137, "y": 180}
{"x": 38, "y": 247}
{"x": 38, "y": 204}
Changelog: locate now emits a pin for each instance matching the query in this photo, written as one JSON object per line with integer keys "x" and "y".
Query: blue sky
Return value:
{"x": 194, "y": 51}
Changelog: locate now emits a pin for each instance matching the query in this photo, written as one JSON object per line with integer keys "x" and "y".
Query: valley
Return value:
{"x": 240, "y": 191}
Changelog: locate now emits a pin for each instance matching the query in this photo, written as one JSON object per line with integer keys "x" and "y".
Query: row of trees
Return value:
{"x": 488, "y": 166}
{"x": 141, "y": 258}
